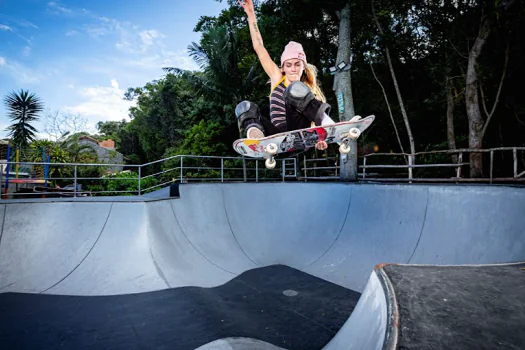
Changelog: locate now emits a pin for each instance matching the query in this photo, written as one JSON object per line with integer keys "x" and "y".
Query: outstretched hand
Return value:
{"x": 247, "y": 5}
{"x": 321, "y": 145}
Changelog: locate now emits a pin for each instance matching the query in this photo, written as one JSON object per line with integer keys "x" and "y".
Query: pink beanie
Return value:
{"x": 293, "y": 50}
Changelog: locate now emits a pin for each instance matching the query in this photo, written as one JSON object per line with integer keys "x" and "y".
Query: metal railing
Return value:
{"x": 79, "y": 179}
{"x": 328, "y": 168}
{"x": 143, "y": 178}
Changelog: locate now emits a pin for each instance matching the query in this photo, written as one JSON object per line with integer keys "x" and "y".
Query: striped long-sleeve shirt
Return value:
{"x": 277, "y": 106}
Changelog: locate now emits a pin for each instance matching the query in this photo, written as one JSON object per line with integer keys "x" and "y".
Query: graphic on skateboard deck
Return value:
{"x": 302, "y": 140}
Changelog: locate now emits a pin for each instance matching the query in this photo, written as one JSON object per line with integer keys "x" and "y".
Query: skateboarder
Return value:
{"x": 296, "y": 101}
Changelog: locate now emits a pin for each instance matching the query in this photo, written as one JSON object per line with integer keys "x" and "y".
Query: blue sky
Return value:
{"x": 80, "y": 57}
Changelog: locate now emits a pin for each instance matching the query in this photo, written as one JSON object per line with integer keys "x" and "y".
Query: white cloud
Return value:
{"x": 58, "y": 9}
{"x": 7, "y": 28}
{"x": 25, "y": 75}
{"x": 24, "y": 23}
{"x": 129, "y": 38}
{"x": 2, "y": 61}
{"x": 179, "y": 59}
{"x": 96, "y": 31}
{"x": 17, "y": 21}
{"x": 148, "y": 36}
{"x": 104, "y": 19}
{"x": 102, "y": 103}
{"x": 134, "y": 41}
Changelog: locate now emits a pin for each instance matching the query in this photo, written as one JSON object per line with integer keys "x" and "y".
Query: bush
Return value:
{"x": 122, "y": 183}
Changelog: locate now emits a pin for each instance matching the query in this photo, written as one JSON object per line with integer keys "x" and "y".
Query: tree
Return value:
{"x": 343, "y": 89}
{"x": 126, "y": 140}
{"x": 342, "y": 79}
{"x": 222, "y": 78}
{"x": 162, "y": 114}
{"x": 111, "y": 129}
{"x": 398, "y": 90}
{"x": 58, "y": 125}
{"x": 419, "y": 50}
{"x": 23, "y": 109}
{"x": 477, "y": 126}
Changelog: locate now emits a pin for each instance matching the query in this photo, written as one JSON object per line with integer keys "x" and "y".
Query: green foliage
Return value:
{"x": 126, "y": 139}
{"x": 161, "y": 115}
{"x": 127, "y": 181}
{"x": 428, "y": 41}
{"x": 202, "y": 139}
{"x": 67, "y": 151}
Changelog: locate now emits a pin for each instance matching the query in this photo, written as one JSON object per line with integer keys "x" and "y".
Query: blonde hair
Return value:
{"x": 310, "y": 79}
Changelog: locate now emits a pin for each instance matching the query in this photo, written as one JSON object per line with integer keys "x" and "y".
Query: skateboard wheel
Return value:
{"x": 271, "y": 149}
{"x": 354, "y": 133}
{"x": 344, "y": 148}
{"x": 270, "y": 163}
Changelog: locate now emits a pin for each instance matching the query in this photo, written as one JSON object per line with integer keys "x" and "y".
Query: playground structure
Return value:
{"x": 17, "y": 173}
{"x": 29, "y": 171}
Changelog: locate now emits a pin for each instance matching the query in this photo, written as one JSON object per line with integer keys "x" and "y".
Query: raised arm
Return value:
{"x": 268, "y": 64}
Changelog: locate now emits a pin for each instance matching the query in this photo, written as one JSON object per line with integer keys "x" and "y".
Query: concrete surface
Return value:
{"x": 238, "y": 344}
{"x": 214, "y": 232}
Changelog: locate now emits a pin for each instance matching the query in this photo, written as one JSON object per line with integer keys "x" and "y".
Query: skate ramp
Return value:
{"x": 218, "y": 236}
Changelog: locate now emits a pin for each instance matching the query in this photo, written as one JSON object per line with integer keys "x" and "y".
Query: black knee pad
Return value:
{"x": 248, "y": 115}
{"x": 299, "y": 97}
{"x": 247, "y": 110}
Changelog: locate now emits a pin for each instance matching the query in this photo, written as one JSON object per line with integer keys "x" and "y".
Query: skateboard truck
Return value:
{"x": 353, "y": 134}
{"x": 271, "y": 150}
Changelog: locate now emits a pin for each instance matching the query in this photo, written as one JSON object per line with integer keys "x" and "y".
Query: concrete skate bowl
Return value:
{"x": 248, "y": 266}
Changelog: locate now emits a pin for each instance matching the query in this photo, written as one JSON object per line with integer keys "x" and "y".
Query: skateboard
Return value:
{"x": 303, "y": 139}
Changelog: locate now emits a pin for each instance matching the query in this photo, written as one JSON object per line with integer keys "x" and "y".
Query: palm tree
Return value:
{"x": 23, "y": 108}
{"x": 220, "y": 80}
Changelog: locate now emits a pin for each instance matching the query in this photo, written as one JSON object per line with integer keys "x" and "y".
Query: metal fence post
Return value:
{"x": 75, "y": 183}
{"x": 491, "y": 164}
{"x": 305, "y": 169}
{"x": 140, "y": 167}
{"x": 364, "y": 167}
{"x": 256, "y": 170}
{"x": 283, "y": 166}
{"x": 411, "y": 161}
{"x": 460, "y": 160}
{"x": 222, "y": 169}
{"x": 515, "y": 155}
{"x": 181, "y": 165}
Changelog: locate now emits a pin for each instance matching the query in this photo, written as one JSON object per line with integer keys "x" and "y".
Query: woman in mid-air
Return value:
{"x": 296, "y": 101}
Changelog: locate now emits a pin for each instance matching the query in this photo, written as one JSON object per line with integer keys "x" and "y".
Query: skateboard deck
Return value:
{"x": 302, "y": 139}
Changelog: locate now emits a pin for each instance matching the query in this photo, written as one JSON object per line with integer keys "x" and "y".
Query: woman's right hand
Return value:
{"x": 247, "y": 5}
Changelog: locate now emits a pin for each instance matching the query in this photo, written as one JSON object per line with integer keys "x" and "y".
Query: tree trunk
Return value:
{"x": 343, "y": 91}
{"x": 389, "y": 109}
{"x": 451, "y": 136}
{"x": 342, "y": 80}
{"x": 475, "y": 120}
{"x": 398, "y": 92}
